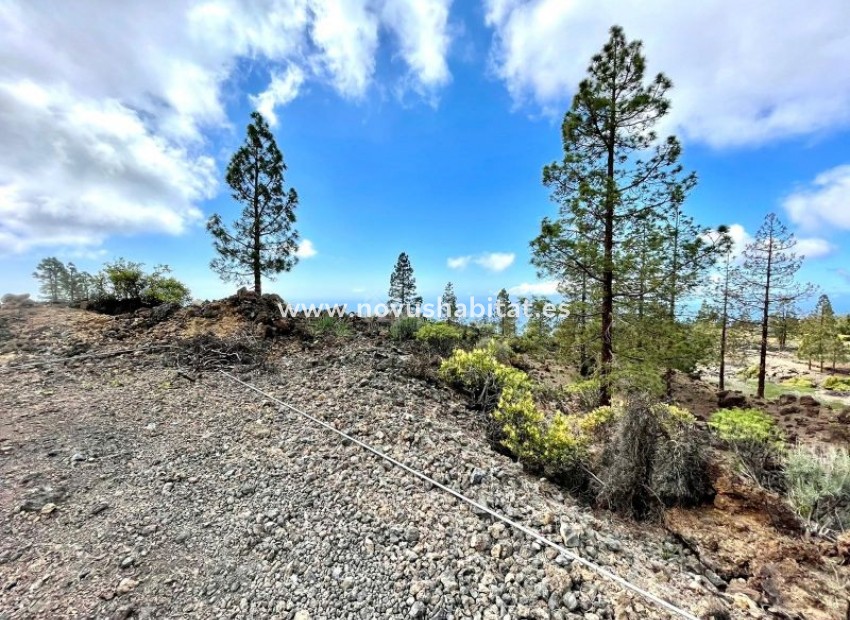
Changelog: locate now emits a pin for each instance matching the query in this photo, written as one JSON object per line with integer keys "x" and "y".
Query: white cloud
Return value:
{"x": 813, "y": 247}
{"x": 495, "y": 261}
{"x": 740, "y": 238}
{"x": 549, "y": 287}
{"x": 306, "y": 249}
{"x": 825, "y": 203}
{"x": 458, "y": 262}
{"x": 282, "y": 89}
{"x": 421, "y": 27}
{"x": 492, "y": 261}
{"x": 347, "y": 33}
{"x": 104, "y": 106}
{"x": 744, "y": 73}
{"x": 74, "y": 170}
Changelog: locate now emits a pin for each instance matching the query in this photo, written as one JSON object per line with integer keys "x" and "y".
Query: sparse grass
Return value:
{"x": 775, "y": 390}
{"x": 330, "y": 326}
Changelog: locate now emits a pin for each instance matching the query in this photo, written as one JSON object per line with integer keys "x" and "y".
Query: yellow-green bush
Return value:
{"x": 751, "y": 425}
{"x": 441, "y": 337}
{"x": 751, "y": 372}
{"x": 508, "y": 393}
{"x": 753, "y": 436}
{"x": 562, "y": 442}
{"x": 598, "y": 422}
{"x": 837, "y": 384}
{"x": 587, "y": 393}
{"x": 481, "y": 375}
{"x": 673, "y": 417}
{"x": 522, "y": 423}
{"x": 799, "y": 383}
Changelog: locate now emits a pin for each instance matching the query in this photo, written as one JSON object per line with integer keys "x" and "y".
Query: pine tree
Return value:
{"x": 402, "y": 293}
{"x": 820, "y": 335}
{"x": 767, "y": 278}
{"x": 577, "y": 331}
{"x": 505, "y": 315}
{"x": 784, "y": 323}
{"x": 75, "y": 284}
{"x": 263, "y": 241}
{"x": 449, "y": 303}
{"x": 540, "y": 320}
{"x": 51, "y": 273}
{"x": 727, "y": 299}
{"x": 615, "y": 180}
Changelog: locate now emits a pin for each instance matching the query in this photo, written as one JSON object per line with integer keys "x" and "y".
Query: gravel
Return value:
{"x": 174, "y": 498}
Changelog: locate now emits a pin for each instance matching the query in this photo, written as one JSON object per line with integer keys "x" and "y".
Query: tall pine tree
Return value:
{"x": 262, "y": 241}
{"x": 402, "y": 293}
{"x": 767, "y": 278}
{"x": 820, "y": 339}
{"x": 615, "y": 179}
{"x": 51, "y": 275}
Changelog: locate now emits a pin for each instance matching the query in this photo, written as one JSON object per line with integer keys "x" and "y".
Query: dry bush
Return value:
{"x": 655, "y": 457}
{"x": 206, "y": 352}
{"x": 628, "y": 459}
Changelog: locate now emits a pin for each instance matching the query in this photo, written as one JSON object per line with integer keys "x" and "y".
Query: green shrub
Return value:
{"x": 405, "y": 328}
{"x": 330, "y": 326}
{"x": 527, "y": 343}
{"x": 501, "y": 349}
{"x": 818, "y": 485}
{"x": 587, "y": 393}
{"x": 837, "y": 384}
{"x": 753, "y": 436}
{"x": 673, "y": 417}
{"x": 126, "y": 278}
{"x": 165, "y": 290}
{"x": 440, "y": 337}
{"x": 508, "y": 394}
{"x": 749, "y": 425}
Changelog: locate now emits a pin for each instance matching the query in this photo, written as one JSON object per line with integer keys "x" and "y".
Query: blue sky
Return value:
{"x": 407, "y": 126}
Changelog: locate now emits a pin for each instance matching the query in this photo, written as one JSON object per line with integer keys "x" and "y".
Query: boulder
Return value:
{"x": 809, "y": 402}
{"x": 729, "y": 399}
{"x": 787, "y": 399}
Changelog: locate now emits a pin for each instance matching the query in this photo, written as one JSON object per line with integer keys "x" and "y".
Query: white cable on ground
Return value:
{"x": 529, "y": 532}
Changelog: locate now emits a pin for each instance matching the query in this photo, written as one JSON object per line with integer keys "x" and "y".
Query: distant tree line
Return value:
{"x": 119, "y": 285}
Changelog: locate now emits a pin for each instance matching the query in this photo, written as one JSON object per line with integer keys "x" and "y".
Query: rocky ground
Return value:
{"x": 132, "y": 488}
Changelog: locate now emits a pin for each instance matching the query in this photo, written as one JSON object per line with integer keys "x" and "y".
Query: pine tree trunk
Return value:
{"x": 764, "y": 320}
{"x": 258, "y": 285}
{"x": 724, "y": 333}
{"x": 607, "y": 357}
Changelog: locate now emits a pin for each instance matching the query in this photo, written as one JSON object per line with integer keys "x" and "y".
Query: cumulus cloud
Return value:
{"x": 458, "y": 262}
{"x": 743, "y": 74}
{"x": 282, "y": 89}
{"x": 491, "y": 261}
{"x": 306, "y": 249}
{"x": 812, "y": 247}
{"x": 495, "y": 261}
{"x": 104, "y": 107}
{"x": 548, "y": 287}
{"x": 825, "y": 203}
{"x": 421, "y": 27}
